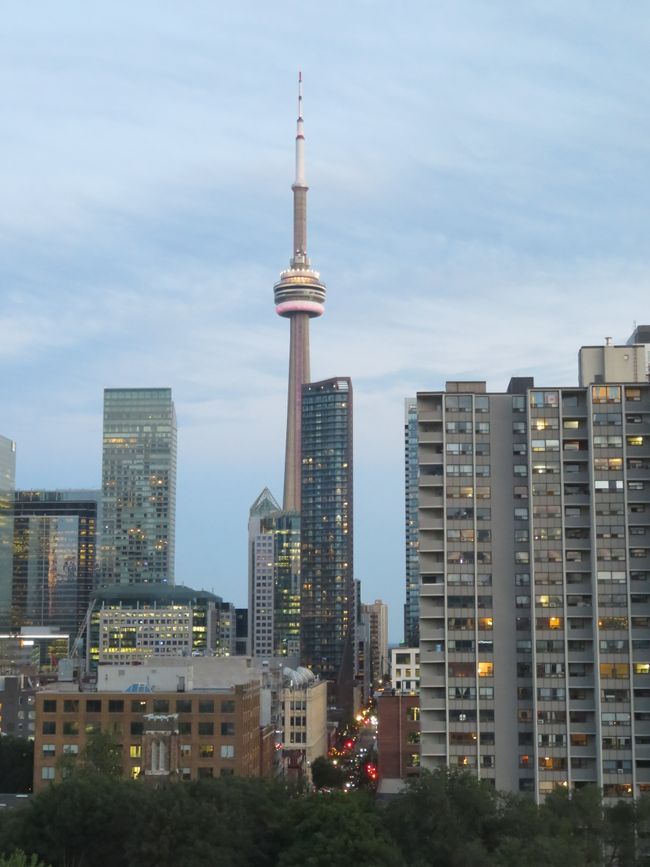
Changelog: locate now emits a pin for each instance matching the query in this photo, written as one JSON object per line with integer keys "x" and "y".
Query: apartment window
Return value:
{"x": 115, "y": 705}
{"x": 49, "y": 728}
{"x": 49, "y": 705}
{"x": 227, "y": 751}
{"x": 520, "y": 471}
{"x": 48, "y": 773}
{"x": 521, "y": 513}
{"x": 206, "y": 706}
{"x": 138, "y": 706}
{"x": 49, "y": 751}
{"x": 184, "y": 705}
{"x": 206, "y": 751}
{"x": 71, "y": 705}
{"x": 413, "y": 714}
{"x": 136, "y": 728}
{"x": 228, "y": 706}
{"x": 227, "y": 729}
{"x": 519, "y": 403}
{"x": 70, "y": 749}
{"x": 206, "y": 728}
{"x": 135, "y": 751}
{"x": 606, "y": 393}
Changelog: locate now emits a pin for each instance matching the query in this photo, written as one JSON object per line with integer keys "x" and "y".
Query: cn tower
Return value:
{"x": 299, "y": 296}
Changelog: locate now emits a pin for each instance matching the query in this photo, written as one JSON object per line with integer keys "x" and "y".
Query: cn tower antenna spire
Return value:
{"x": 299, "y": 296}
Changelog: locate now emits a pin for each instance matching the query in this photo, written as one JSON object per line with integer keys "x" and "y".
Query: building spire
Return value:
{"x": 300, "y": 188}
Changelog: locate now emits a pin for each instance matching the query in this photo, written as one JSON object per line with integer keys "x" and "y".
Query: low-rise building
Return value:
{"x": 405, "y": 669}
{"x": 398, "y": 739}
{"x": 183, "y": 719}
{"x": 304, "y": 721}
{"x": 17, "y": 715}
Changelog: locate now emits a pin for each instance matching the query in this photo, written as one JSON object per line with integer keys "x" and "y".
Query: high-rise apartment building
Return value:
{"x": 138, "y": 486}
{"x": 377, "y": 612}
{"x": 327, "y": 599}
{"x": 55, "y": 557}
{"x": 412, "y": 605}
{"x": 7, "y": 484}
{"x": 535, "y": 568}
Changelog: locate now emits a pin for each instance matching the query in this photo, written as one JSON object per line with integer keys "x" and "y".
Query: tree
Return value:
{"x": 326, "y": 775}
{"x": 16, "y": 764}
{"x": 101, "y": 755}
{"x": 19, "y": 859}
{"x": 336, "y": 831}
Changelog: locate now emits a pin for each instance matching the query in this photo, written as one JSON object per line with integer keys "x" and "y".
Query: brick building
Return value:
{"x": 398, "y": 739}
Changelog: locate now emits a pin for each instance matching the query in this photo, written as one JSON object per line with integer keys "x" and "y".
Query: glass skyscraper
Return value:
{"x": 7, "y": 482}
{"x": 138, "y": 486}
{"x": 327, "y": 599}
{"x": 54, "y": 562}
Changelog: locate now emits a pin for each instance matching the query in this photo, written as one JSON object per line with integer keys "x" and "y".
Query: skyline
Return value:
{"x": 463, "y": 162}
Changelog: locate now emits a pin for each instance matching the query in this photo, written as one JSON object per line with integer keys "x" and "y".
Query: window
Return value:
{"x": 49, "y": 705}
{"x": 71, "y": 705}
{"x": 228, "y": 706}
{"x": 207, "y": 728}
{"x": 138, "y": 706}
{"x": 184, "y": 705}
{"x": 227, "y": 729}
{"x": 206, "y": 706}
{"x": 606, "y": 393}
{"x": 71, "y": 727}
{"x": 227, "y": 751}
{"x": 48, "y": 773}
{"x": 413, "y": 714}
{"x": 70, "y": 749}
{"x": 206, "y": 751}
{"x": 49, "y": 751}
{"x": 49, "y": 728}
{"x": 137, "y": 728}
{"x": 135, "y": 751}
{"x": 160, "y": 705}
{"x": 115, "y": 705}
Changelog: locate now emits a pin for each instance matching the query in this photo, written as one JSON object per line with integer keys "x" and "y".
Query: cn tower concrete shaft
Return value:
{"x": 298, "y": 374}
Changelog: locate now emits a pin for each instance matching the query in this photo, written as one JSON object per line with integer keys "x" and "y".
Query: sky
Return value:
{"x": 479, "y": 208}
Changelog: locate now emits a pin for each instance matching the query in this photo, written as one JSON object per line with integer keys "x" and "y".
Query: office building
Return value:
{"x": 138, "y": 486}
{"x": 299, "y": 296}
{"x": 327, "y": 614}
{"x": 54, "y": 565}
{"x": 33, "y": 649}
{"x": 17, "y": 713}
{"x": 284, "y": 528}
{"x": 169, "y": 724}
{"x": 261, "y": 576}
{"x": 133, "y": 623}
{"x": 241, "y": 631}
{"x": 7, "y": 485}
{"x": 535, "y": 563}
{"x": 412, "y": 605}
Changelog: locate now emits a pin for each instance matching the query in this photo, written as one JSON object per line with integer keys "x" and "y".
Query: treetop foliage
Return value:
{"x": 444, "y": 819}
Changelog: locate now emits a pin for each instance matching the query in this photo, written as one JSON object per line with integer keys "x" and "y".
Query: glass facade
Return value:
{"x": 327, "y": 601}
{"x": 284, "y": 529}
{"x": 138, "y": 486}
{"x": 7, "y": 482}
{"x": 54, "y": 563}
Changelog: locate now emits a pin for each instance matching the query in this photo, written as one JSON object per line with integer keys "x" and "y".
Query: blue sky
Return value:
{"x": 473, "y": 167}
